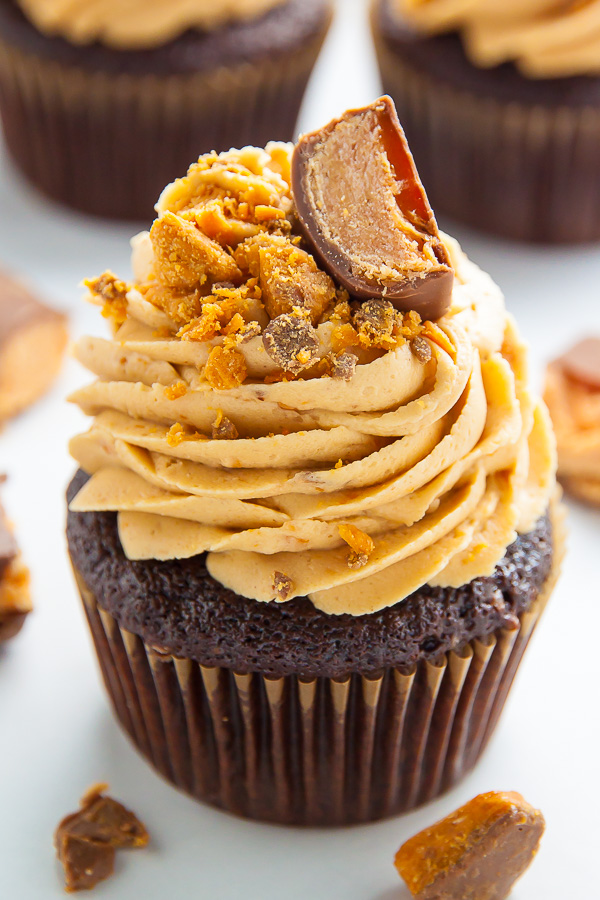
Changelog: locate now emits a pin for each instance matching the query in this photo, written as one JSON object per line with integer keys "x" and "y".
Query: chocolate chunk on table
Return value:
{"x": 365, "y": 213}
{"x": 32, "y": 343}
{"x": 86, "y": 840}
{"x": 475, "y": 853}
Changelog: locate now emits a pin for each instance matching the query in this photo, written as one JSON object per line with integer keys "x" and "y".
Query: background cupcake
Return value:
{"x": 312, "y": 536}
{"x": 103, "y": 103}
{"x": 501, "y": 104}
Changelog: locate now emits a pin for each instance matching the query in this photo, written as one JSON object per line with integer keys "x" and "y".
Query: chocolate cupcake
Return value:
{"x": 313, "y": 531}
{"x": 501, "y": 105}
{"x": 104, "y": 103}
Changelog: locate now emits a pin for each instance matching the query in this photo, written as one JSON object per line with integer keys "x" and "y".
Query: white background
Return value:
{"x": 57, "y": 735}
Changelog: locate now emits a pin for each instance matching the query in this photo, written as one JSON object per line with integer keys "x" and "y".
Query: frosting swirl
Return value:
{"x": 136, "y": 24}
{"x": 415, "y": 468}
{"x": 544, "y": 38}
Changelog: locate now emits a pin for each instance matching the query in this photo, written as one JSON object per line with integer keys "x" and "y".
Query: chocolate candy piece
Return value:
{"x": 85, "y": 862}
{"x": 582, "y": 362}
{"x": 32, "y": 342}
{"x": 87, "y": 839}
{"x": 365, "y": 213}
{"x": 475, "y": 853}
{"x": 15, "y": 601}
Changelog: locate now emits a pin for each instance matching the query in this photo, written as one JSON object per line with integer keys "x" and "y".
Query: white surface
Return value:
{"x": 57, "y": 735}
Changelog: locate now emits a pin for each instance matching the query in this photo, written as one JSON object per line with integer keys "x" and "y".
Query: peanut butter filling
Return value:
{"x": 246, "y": 407}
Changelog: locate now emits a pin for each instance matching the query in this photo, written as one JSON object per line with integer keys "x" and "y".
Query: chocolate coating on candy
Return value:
{"x": 364, "y": 211}
{"x": 475, "y": 853}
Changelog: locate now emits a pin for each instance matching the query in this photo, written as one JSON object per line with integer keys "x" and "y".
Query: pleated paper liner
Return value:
{"x": 107, "y": 144}
{"x": 317, "y": 751}
{"x": 520, "y": 170}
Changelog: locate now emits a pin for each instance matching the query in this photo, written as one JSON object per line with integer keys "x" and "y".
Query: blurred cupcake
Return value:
{"x": 103, "y": 103}
{"x": 501, "y": 105}
{"x": 312, "y": 534}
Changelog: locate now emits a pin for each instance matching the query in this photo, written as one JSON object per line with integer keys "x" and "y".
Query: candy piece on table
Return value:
{"x": 572, "y": 394}
{"x": 582, "y": 362}
{"x": 475, "y": 853}
{"x": 365, "y": 213}
{"x": 86, "y": 840}
{"x": 32, "y": 343}
{"x": 15, "y": 599}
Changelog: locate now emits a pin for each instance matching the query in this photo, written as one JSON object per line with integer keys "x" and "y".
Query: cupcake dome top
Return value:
{"x": 545, "y": 38}
{"x": 250, "y": 408}
{"x": 138, "y": 24}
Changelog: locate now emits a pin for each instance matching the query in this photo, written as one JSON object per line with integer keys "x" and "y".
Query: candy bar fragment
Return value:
{"x": 365, "y": 214}
{"x": 32, "y": 343}
{"x": 475, "y": 853}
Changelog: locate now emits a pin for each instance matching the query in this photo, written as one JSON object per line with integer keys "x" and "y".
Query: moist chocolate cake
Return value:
{"x": 177, "y": 604}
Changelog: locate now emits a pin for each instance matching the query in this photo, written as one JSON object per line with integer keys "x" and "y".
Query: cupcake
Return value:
{"x": 103, "y": 103}
{"x": 501, "y": 105}
{"x": 312, "y": 530}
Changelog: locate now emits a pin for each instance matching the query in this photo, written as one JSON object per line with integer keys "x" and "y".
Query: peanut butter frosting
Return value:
{"x": 544, "y": 38}
{"x": 136, "y": 24}
{"x": 246, "y": 408}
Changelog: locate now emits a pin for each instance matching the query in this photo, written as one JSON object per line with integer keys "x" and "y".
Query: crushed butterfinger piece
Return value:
{"x": 180, "y": 306}
{"x": 343, "y": 337}
{"x": 282, "y": 586}
{"x": 223, "y": 428}
{"x": 85, "y": 862}
{"x": 15, "y": 598}
{"x": 343, "y": 365}
{"x": 175, "y": 435}
{"x": 421, "y": 349}
{"x": 475, "y": 853}
{"x": 225, "y": 368}
{"x": 87, "y": 839}
{"x": 288, "y": 276}
{"x": 375, "y": 322}
{"x": 175, "y": 391}
{"x": 291, "y": 342}
{"x": 572, "y": 395}
{"x": 361, "y": 545}
{"x": 111, "y": 292}
{"x": 32, "y": 343}
{"x": 185, "y": 258}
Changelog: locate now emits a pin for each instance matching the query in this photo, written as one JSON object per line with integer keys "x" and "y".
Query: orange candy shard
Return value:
{"x": 475, "y": 853}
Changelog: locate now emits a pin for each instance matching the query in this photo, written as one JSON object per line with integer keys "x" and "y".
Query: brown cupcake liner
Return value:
{"x": 523, "y": 171}
{"x": 108, "y": 143}
{"x": 314, "y": 751}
